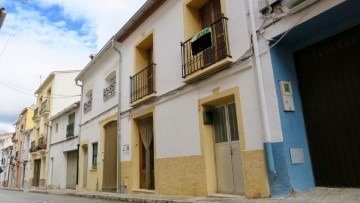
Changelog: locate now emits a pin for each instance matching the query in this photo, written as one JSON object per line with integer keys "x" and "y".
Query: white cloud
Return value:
{"x": 39, "y": 45}
{"x": 104, "y": 17}
{"x": 4, "y": 128}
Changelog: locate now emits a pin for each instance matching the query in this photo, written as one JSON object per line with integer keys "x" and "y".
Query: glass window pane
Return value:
{"x": 220, "y": 125}
{"x": 234, "y": 134}
{"x": 94, "y": 157}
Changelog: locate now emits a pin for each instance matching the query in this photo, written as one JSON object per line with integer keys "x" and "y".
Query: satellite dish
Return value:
{"x": 33, "y": 106}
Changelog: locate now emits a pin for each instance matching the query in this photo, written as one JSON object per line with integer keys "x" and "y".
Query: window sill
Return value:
{"x": 200, "y": 73}
{"x": 93, "y": 169}
{"x": 142, "y": 100}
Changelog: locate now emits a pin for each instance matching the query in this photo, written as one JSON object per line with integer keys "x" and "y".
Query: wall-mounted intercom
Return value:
{"x": 287, "y": 96}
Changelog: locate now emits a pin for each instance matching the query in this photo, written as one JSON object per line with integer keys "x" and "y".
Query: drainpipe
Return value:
{"x": 260, "y": 79}
{"x": 80, "y": 121}
{"x": 48, "y": 151}
{"x": 119, "y": 187}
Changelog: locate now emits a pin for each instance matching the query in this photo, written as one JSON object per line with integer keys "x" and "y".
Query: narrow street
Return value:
{"x": 322, "y": 195}
{"x": 8, "y": 196}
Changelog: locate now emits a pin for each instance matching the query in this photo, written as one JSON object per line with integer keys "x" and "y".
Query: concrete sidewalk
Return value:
{"x": 326, "y": 195}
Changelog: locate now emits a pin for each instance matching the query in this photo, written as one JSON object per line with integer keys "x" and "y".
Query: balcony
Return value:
{"x": 142, "y": 85}
{"x": 36, "y": 116}
{"x": 15, "y": 138}
{"x": 109, "y": 91}
{"x": 42, "y": 144}
{"x": 206, "y": 52}
{"x": 87, "y": 106}
{"x": 45, "y": 107}
{"x": 70, "y": 130}
{"x": 32, "y": 147}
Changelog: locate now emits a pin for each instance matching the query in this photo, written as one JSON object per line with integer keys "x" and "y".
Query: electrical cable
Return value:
{"x": 28, "y": 91}
{"x": 12, "y": 29}
{"x": 292, "y": 26}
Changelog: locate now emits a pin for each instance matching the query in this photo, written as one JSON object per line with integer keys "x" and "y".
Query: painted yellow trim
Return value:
{"x": 256, "y": 179}
{"x": 192, "y": 22}
{"x": 181, "y": 176}
{"x": 208, "y": 70}
{"x": 101, "y": 145}
{"x": 145, "y": 42}
{"x": 206, "y": 131}
{"x": 253, "y": 162}
{"x": 135, "y": 153}
{"x": 83, "y": 144}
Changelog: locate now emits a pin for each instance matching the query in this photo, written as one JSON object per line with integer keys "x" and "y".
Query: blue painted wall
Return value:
{"x": 279, "y": 181}
{"x": 335, "y": 20}
{"x": 292, "y": 123}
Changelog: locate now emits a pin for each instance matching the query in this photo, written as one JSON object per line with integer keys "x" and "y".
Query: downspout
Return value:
{"x": 260, "y": 79}
{"x": 80, "y": 121}
{"x": 48, "y": 148}
{"x": 119, "y": 187}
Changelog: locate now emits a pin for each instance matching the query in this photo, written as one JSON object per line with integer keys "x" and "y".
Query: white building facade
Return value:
{"x": 57, "y": 92}
{"x": 63, "y": 150}
{"x": 203, "y": 115}
{"x": 97, "y": 159}
{"x": 6, "y": 152}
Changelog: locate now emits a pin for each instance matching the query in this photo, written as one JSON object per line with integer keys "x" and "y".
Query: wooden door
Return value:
{"x": 209, "y": 13}
{"x": 71, "y": 170}
{"x": 143, "y": 166}
{"x": 36, "y": 179}
{"x": 329, "y": 81}
{"x": 85, "y": 170}
{"x": 110, "y": 157}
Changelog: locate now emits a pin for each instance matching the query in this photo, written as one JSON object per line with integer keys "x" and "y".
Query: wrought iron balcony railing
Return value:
{"x": 42, "y": 143}
{"x": 70, "y": 130}
{"x": 45, "y": 107}
{"x": 87, "y": 106}
{"x": 109, "y": 91}
{"x": 197, "y": 55}
{"x": 142, "y": 84}
{"x": 32, "y": 147}
{"x": 36, "y": 114}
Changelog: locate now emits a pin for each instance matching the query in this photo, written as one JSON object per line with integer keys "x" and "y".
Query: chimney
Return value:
{"x": 92, "y": 56}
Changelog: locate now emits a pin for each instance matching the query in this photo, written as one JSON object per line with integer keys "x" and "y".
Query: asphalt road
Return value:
{"x": 8, "y": 196}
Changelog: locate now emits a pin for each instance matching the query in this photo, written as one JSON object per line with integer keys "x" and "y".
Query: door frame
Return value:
{"x": 136, "y": 140}
{"x": 108, "y": 124}
{"x": 37, "y": 168}
{"x": 206, "y": 132}
{"x": 229, "y": 143}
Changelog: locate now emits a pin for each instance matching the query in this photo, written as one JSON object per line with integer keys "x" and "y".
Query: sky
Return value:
{"x": 41, "y": 36}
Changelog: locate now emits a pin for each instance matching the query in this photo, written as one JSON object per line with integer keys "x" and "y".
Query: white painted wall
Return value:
{"x": 176, "y": 119}
{"x": 59, "y": 146}
{"x": 168, "y": 26}
{"x": 95, "y": 80}
{"x": 62, "y": 122}
{"x": 91, "y": 132}
{"x": 63, "y": 91}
